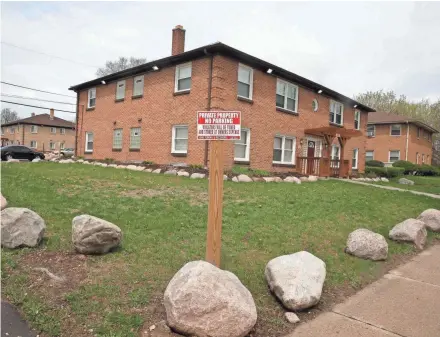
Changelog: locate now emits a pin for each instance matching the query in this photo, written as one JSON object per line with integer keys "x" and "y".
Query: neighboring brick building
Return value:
{"x": 149, "y": 113}
{"x": 43, "y": 132}
{"x": 393, "y": 137}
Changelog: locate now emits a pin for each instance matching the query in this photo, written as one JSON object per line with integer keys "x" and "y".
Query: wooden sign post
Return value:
{"x": 216, "y": 126}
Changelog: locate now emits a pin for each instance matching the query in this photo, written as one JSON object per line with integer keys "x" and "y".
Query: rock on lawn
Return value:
{"x": 3, "y": 202}
{"x": 431, "y": 218}
{"x": 410, "y": 230}
{"x": 366, "y": 244}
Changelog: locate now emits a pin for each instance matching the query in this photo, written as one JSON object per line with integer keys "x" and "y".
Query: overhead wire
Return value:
{"x": 37, "y": 107}
{"x": 36, "y": 99}
{"x": 47, "y": 92}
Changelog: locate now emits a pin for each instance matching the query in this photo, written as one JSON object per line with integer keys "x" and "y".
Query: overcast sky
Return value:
{"x": 349, "y": 47}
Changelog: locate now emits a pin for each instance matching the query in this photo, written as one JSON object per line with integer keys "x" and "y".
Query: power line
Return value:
{"x": 37, "y": 99}
{"x": 47, "y": 92}
{"x": 54, "y": 56}
{"x": 37, "y": 107}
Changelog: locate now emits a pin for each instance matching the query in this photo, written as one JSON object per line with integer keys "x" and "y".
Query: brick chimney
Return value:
{"x": 33, "y": 114}
{"x": 178, "y": 44}
{"x": 51, "y": 113}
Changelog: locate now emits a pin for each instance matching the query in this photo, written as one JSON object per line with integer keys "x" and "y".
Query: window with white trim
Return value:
{"x": 62, "y": 145}
{"x": 63, "y": 131}
{"x": 357, "y": 119}
{"x": 369, "y": 155}
{"x": 423, "y": 158}
{"x": 52, "y": 145}
{"x": 120, "y": 90}
{"x": 179, "y": 139}
{"x": 91, "y": 98}
{"x": 117, "y": 139}
{"x": 34, "y": 129}
{"x": 336, "y": 113}
{"x": 33, "y": 144}
{"x": 135, "y": 138}
{"x": 284, "y": 150}
{"x": 394, "y": 155}
{"x": 89, "y": 142}
{"x": 395, "y": 129}
{"x": 245, "y": 81}
{"x": 12, "y": 130}
{"x": 417, "y": 158}
{"x": 138, "y": 86}
{"x": 315, "y": 105}
{"x": 425, "y": 134}
{"x": 241, "y": 147}
{"x": 354, "y": 159}
{"x": 182, "y": 80}
{"x": 286, "y": 95}
{"x": 53, "y": 130}
{"x": 335, "y": 156}
{"x": 371, "y": 130}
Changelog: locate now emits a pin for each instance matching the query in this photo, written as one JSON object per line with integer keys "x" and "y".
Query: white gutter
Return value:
{"x": 407, "y": 140}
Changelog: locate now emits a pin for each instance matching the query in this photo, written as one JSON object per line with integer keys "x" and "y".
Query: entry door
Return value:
{"x": 310, "y": 154}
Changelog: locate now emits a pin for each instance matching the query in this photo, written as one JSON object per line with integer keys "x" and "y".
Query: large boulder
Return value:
{"x": 296, "y": 279}
{"x": 203, "y": 300}
{"x": 405, "y": 181}
{"x": 183, "y": 174}
{"x": 21, "y": 227}
{"x": 366, "y": 244}
{"x": 196, "y": 175}
{"x": 92, "y": 235}
{"x": 431, "y": 218}
{"x": 3, "y": 202}
{"x": 410, "y": 230}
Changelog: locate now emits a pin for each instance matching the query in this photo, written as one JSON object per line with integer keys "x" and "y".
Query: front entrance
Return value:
{"x": 311, "y": 145}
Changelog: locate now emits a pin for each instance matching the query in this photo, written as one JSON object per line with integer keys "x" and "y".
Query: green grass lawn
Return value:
{"x": 163, "y": 219}
{"x": 422, "y": 184}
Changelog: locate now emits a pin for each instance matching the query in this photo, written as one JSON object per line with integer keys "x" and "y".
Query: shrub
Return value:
{"x": 250, "y": 172}
{"x": 427, "y": 170}
{"x": 109, "y": 160}
{"x": 148, "y": 162}
{"x": 387, "y": 172}
{"x": 196, "y": 166}
{"x": 408, "y": 166}
{"x": 374, "y": 163}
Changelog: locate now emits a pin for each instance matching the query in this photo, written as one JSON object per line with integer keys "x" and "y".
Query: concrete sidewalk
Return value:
{"x": 404, "y": 303}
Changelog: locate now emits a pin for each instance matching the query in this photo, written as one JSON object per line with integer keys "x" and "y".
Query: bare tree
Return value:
{"x": 121, "y": 63}
{"x": 8, "y": 115}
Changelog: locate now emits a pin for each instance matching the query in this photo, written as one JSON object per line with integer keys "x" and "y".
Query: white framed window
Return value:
{"x": 369, "y": 155}
{"x": 335, "y": 156}
{"x": 242, "y": 146}
{"x": 135, "y": 138}
{"x": 423, "y": 158}
{"x": 417, "y": 158}
{"x": 287, "y": 95}
{"x": 63, "y": 131}
{"x": 425, "y": 134}
{"x": 138, "y": 86}
{"x": 12, "y": 130}
{"x": 53, "y": 130}
{"x": 91, "y": 98}
{"x": 61, "y": 145}
{"x": 284, "y": 150}
{"x": 393, "y": 155}
{"x": 33, "y": 144}
{"x": 395, "y": 129}
{"x": 89, "y": 142}
{"x": 182, "y": 81}
{"x": 336, "y": 113}
{"x": 120, "y": 90}
{"x": 371, "y": 130}
{"x": 34, "y": 129}
{"x": 354, "y": 159}
{"x": 315, "y": 105}
{"x": 245, "y": 81}
{"x": 179, "y": 139}
{"x": 117, "y": 138}
{"x": 52, "y": 145}
{"x": 357, "y": 119}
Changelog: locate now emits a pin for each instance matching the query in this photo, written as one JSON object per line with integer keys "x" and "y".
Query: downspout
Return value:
{"x": 76, "y": 124}
{"x": 407, "y": 140}
{"x": 205, "y": 159}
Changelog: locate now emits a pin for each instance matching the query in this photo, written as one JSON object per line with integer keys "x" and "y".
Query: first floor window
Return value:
{"x": 336, "y": 112}
{"x": 357, "y": 119}
{"x": 89, "y": 141}
{"x": 395, "y": 130}
{"x": 354, "y": 160}
{"x": 52, "y": 145}
{"x": 423, "y": 158}
{"x": 284, "y": 150}
{"x": 34, "y": 128}
{"x": 183, "y": 77}
{"x": 369, "y": 155}
{"x": 53, "y": 130}
{"x": 33, "y": 144}
{"x": 286, "y": 95}
{"x": 371, "y": 130}
{"x": 394, "y": 156}
{"x": 245, "y": 81}
{"x": 241, "y": 147}
{"x": 335, "y": 156}
{"x": 91, "y": 98}
{"x": 180, "y": 139}
{"x": 117, "y": 139}
{"x": 417, "y": 157}
{"x": 135, "y": 138}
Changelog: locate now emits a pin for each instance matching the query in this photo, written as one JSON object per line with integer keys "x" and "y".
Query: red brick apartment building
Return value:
{"x": 392, "y": 137}
{"x": 43, "y": 132}
{"x": 288, "y": 122}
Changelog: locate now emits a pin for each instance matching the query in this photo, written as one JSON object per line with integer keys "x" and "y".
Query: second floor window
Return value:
{"x": 395, "y": 130}
{"x": 357, "y": 119}
{"x": 138, "y": 86}
{"x": 91, "y": 98}
{"x": 11, "y": 130}
{"x": 183, "y": 77}
{"x": 336, "y": 112}
{"x": 371, "y": 131}
{"x": 63, "y": 131}
{"x": 245, "y": 80}
{"x": 418, "y": 132}
{"x": 53, "y": 130}
{"x": 117, "y": 139}
{"x": 34, "y": 129}
{"x": 135, "y": 138}
{"x": 120, "y": 90}
{"x": 287, "y": 95}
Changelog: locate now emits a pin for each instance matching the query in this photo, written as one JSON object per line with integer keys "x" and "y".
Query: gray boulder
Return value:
{"x": 296, "y": 279}
{"x": 431, "y": 218}
{"x": 112, "y": 165}
{"x": 410, "y": 230}
{"x": 3, "y": 202}
{"x": 157, "y": 171}
{"x": 171, "y": 172}
{"x": 272, "y": 179}
{"x": 243, "y": 178}
{"x": 21, "y": 227}
{"x": 405, "y": 181}
{"x": 292, "y": 180}
{"x": 304, "y": 179}
{"x": 92, "y": 235}
{"x": 203, "y": 300}
{"x": 313, "y": 178}
{"x": 197, "y": 175}
{"x": 183, "y": 174}
{"x": 225, "y": 177}
{"x": 235, "y": 179}
{"x": 385, "y": 180}
{"x": 291, "y": 317}
{"x": 366, "y": 244}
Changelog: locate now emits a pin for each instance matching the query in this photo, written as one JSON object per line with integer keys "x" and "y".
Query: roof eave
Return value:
{"x": 419, "y": 123}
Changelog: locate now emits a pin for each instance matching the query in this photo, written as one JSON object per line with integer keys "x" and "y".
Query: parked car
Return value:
{"x": 19, "y": 152}
{"x": 69, "y": 152}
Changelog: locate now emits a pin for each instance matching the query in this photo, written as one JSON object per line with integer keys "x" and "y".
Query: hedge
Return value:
{"x": 374, "y": 163}
{"x": 427, "y": 170}
{"x": 387, "y": 172}
{"x": 408, "y": 166}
